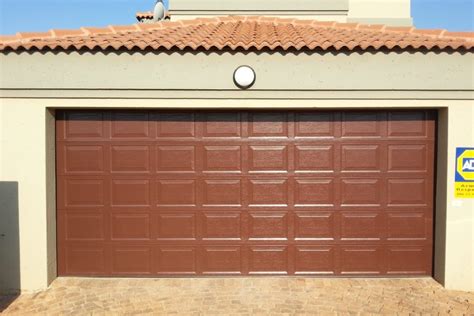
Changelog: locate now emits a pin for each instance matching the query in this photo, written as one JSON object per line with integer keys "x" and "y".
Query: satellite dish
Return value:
{"x": 159, "y": 11}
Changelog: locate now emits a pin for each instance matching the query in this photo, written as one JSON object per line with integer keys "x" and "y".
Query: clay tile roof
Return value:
{"x": 240, "y": 32}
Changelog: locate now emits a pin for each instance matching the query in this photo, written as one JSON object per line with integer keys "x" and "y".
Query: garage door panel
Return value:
{"x": 361, "y": 225}
{"x": 314, "y": 158}
{"x": 130, "y": 226}
{"x": 176, "y": 225}
{"x": 318, "y": 226}
{"x": 408, "y": 260}
{"x": 320, "y": 124}
{"x": 222, "y": 225}
{"x": 407, "y": 192}
{"x": 176, "y": 192}
{"x": 268, "y": 192}
{"x": 81, "y": 159}
{"x": 361, "y": 192}
{"x": 266, "y": 225}
{"x": 130, "y": 193}
{"x": 221, "y": 193}
{"x": 408, "y": 158}
{"x": 221, "y": 260}
{"x": 408, "y": 225}
{"x": 268, "y": 158}
{"x": 361, "y": 158}
{"x": 361, "y": 260}
{"x": 245, "y": 192}
{"x": 85, "y": 260}
{"x": 315, "y": 260}
{"x": 314, "y": 192}
{"x": 363, "y": 124}
{"x": 81, "y": 193}
{"x": 224, "y": 124}
{"x": 270, "y": 124}
{"x": 131, "y": 260}
{"x": 83, "y": 125}
{"x": 82, "y": 226}
{"x": 176, "y": 260}
{"x": 268, "y": 260}
{"x": 222, "y": 159}
{"x": 130, "y": 159}
{"x": 408, "y": 124}
{"x": 131, "y": 124}
{"x": 175, "y": 124}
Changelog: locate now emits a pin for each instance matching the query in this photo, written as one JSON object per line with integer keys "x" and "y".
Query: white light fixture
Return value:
{"x": 244, "y": 77}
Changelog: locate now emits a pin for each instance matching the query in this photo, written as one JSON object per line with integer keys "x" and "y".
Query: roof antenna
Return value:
{"x": 159, "y": 11}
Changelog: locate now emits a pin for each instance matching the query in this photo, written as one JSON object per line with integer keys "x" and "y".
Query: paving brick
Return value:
{"x": 242, "y": 296}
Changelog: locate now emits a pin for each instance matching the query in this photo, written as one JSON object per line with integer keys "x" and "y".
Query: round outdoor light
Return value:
{"x": 244, "y": 77}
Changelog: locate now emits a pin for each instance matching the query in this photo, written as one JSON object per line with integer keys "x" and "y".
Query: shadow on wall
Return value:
{"x": 9, "y": 243}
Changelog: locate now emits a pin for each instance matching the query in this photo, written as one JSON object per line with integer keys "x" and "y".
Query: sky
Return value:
{"x": 42, "y": 15}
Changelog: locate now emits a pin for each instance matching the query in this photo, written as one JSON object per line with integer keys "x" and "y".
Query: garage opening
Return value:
{"x": 190, "y": 193}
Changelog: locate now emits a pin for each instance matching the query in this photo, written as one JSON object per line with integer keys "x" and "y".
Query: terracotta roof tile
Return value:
{"x": 237, "y": 32}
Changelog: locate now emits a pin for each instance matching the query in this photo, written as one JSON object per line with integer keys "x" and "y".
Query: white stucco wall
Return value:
{"x": 33, "y": 85}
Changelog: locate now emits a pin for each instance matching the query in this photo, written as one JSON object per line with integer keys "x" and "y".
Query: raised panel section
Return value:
{"x": 225, "y": 124}
{"x": 130, "y": 125}
{"x": 176, "y": 260}
{"x": 84, "y": 192}
{"x": 407, "y": 260}
{"x": 179, "y": 124}
{"x": 314, "y": 225}
{"x": 314, "y": 158}
{"x": 360, "y": 260}
{"x": 314, "y": 260}
{"x": 310, "y": 192}
{"x": 361, "y": 225}
{"x": 176, "y": 192}
{"x": 221, "y": 225}
{"x": 360, "y": 158}
{"x": 130, "y": 226}
{"x": 360, "y": 124}
{"x": 314, "y": 124}
{"x": 222, "y": 193}
{"x": 268, "y": 158}
{"x": 404, "y": 225}
{"x": 85, "y": 260}
{"x": 130, "y": 159}
{"x": 268, "y": 260}
{"x": 268, "y": 124}
{"x": 131, "y": 260}
{"x": 83, "y": 159}
{"x": 407, "y": 124}
{"x": 221, "y": 260}
{"x": 83, "y": 124}
{"x": 407, "y": 158}
{"x": 175, "y": 158}
{"x": 268, "y": 225}
{"x": 268, "y": 192}
{"x": 360, "y": 192}
{"x": 407, "y": 192}
{"x": 84, "y": 226}
{"x": 130, "y": 193}
{"x": 176, "y": 225}
{"x": 222, "y": 159}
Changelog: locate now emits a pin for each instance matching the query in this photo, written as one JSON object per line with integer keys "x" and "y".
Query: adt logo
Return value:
{"x": 468, "y": 165}
{"x": 464, "y": 164}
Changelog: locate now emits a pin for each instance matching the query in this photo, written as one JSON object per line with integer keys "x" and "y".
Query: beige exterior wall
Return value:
{"x": 390, "y": 12}
{"x": 32, "y": 86}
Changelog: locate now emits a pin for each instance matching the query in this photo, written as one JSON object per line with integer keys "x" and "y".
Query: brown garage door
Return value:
{"x": 207, "y": 193}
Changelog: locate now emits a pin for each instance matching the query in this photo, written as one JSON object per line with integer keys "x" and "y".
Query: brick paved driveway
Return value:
{"x": 265, "y": 296}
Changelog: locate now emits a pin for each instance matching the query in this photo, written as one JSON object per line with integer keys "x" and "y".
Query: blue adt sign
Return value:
{"x": 464, "y": 174}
